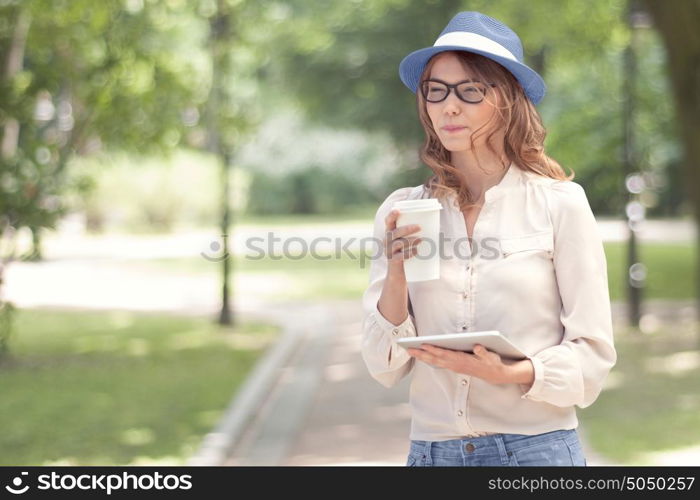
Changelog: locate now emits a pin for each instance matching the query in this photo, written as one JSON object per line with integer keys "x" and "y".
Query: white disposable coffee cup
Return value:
{"x": 425, "y": 264}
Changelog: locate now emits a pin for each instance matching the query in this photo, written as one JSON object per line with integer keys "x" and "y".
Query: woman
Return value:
{"x": 521, "y": 254}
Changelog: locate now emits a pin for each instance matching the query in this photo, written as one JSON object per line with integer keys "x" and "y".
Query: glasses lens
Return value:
{"x": 472, "y": 92}
{"x": 434, "y": 91}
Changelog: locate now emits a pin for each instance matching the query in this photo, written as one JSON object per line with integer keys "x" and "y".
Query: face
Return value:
{"x": 453, "y": 111}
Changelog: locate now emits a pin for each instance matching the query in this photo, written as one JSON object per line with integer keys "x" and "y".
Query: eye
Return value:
{"x": 472, "y": 88}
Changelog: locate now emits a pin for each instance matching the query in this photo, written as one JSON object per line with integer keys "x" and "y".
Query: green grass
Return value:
{"x": 289, "y": 278}
{"x": 116, "y": 388}
{"x": 652, "y": 404}
{"x": 671, "y": 272}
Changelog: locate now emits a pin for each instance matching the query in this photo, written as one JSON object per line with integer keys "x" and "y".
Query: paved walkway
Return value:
{"x": 349, "y": 419}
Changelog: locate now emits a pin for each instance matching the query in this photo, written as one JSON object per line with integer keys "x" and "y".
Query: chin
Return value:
{"x": 453, "y": 147}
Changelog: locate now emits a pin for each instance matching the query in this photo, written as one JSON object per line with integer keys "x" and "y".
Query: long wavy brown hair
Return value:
{"x": 523, "y": 139}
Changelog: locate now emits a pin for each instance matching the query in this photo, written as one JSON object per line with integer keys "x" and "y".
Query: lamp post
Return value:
{"x": 635, "y": 271}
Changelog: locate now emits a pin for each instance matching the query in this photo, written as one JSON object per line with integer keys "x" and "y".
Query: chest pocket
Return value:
{"x": 542, "y": 241}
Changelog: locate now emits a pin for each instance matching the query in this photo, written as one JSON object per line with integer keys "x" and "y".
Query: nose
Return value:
{"x": 452, "y": 104}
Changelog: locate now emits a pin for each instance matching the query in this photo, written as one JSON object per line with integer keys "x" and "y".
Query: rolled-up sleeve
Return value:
{"x": 386, "y": 361}
{"x": 573, "y": 372}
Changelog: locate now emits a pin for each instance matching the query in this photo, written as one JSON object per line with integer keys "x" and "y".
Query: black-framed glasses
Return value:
{"x": 473, "y": 92}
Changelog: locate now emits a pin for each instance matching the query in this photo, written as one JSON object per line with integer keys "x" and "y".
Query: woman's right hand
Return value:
{"x": 398, "y": 246}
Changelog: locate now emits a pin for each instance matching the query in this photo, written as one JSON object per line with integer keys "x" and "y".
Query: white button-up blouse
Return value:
{"x": 536, "y": 272}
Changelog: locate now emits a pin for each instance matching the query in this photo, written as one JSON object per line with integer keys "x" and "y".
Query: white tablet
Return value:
{"x": 491, "y": 340}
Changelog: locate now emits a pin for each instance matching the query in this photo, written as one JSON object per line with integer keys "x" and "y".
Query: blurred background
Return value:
{"x": 152, "y": 148}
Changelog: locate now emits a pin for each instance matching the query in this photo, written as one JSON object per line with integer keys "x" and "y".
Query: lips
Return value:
{"x": 452, "y": 128}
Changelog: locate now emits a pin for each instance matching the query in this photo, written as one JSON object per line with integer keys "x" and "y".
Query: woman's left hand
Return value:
{"x": 484, "y": 364}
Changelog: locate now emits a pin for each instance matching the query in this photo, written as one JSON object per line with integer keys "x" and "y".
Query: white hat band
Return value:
{"x": 474, "y": 41}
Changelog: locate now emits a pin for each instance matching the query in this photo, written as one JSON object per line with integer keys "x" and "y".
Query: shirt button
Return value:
{"x": 396, "y": 331}
{"x": 464, "y": 381}
{"x": 469, "y": 447}
{"x": 460, "y": 413}
{"x": 465, "y": 295}
{"x": 465, "y": 327}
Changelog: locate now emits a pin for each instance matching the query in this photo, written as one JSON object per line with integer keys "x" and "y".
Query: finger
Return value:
{"x": 407, "y": 254}
{"x": 404, "y": 243}
{"x": 390, "y": 220}
{"x": 418, "y": 354}
{"x": 405, "y": 230}
{"x": 426, "y": 357}
{"x": 437, "y": 355}
{"x": 403, "y": 253}
{"x": 432, "y": 349}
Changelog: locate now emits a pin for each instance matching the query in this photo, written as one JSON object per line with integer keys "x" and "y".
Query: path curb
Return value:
{"x": 219, "y": 443}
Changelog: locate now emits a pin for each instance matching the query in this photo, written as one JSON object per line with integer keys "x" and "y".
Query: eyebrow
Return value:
{"x": 447, "y": 83}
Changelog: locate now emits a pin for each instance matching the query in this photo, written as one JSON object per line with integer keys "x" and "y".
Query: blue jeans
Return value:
{"x": 551, "y": 448}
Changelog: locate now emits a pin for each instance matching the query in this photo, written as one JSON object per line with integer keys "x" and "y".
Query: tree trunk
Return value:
{"x": 219, "y": 33}
{"x": 677, "y": 21}
{"x": 13, "y": 65}
{"x": 8, "y": 149}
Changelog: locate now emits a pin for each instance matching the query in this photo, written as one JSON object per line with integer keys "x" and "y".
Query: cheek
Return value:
{"x": 486, "y": 113}
{"x": 432, "y": 114}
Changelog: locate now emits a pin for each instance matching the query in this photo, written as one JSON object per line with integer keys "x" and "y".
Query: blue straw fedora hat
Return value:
{"x": 481, "y": 34}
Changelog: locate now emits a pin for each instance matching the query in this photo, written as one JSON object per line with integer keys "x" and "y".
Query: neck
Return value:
{"x": 480, "y": 176}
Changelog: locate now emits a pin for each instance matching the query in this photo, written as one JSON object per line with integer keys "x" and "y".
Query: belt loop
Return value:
{"x": 427, "y": 453}
{"x": 501, "y": 445}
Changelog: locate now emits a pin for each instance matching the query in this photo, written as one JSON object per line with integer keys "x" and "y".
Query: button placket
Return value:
{"x": 464, "y": 298}
{"x": 462, "y": 396}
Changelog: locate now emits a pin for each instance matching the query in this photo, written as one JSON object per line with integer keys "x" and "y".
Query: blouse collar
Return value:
{"x": 511, "y": 178}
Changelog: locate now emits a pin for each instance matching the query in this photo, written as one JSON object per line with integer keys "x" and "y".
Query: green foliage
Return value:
{"x": 125, "y": 72}
{"x": 312, "y": 190}
{"x": 26, "y": 201}
{"x": 88, "y": 75}
{"x": 118, "y": 191}
{"x": 341, "y": 61}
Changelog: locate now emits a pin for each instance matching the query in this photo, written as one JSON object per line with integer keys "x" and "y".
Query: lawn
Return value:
{"x": 118, "y": 388}
{"x": 651, "y": 403}
{"x": 671, "y": 270}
